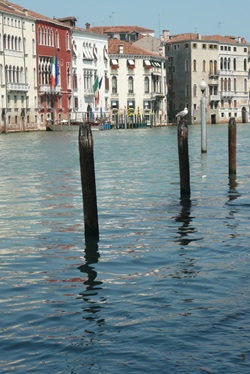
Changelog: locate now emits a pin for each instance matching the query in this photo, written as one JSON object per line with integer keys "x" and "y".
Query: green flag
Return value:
{"x": 95, "y": 85}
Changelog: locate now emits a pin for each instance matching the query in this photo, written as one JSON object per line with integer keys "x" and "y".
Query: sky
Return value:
{"x": 222, "y": 17}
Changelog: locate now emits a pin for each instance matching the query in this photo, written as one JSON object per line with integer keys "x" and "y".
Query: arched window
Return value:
{"x": 68, "y": 78}
{"x": 229, "y": 63}
{"x": 235, "y": 85}
{"x": 245, "y": 64}
{"x": 235, "y": 65}
{"x": 67, "y": 41}
{"x": 194, "y": 65}
{"x": 221, "y": 84}
{"x": 195, "y": 90}
{"x": 33, "y": 47}
{"x": 221, "y": 63}
{"x": 146, "y": 85}
{"x": 229, "y": 84}
{"x": 225, "y": 63}
{"x": 245, "y": 85}
{"x": 114, "y": 84}
{"x": 52, "y": 38}
{"x": 210, "y": 67}
{"x": 57, "y": 40}
{"x": 130, "y": 85}
{"x": 225, "y": 84}
{"x": 215, "y": 67}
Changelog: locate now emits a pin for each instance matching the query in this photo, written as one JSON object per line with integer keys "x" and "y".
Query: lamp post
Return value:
{"x": 203, "y": 117}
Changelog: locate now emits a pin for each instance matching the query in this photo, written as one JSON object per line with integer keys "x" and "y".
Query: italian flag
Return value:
{"x": 53, "y": 73}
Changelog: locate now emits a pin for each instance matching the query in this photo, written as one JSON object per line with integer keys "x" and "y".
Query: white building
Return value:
{"x": 138, "y": 82}
{"x": 18, "y": 86}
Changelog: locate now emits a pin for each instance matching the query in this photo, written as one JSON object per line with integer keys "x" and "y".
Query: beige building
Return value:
{"x": 137, "y": 82}
{"x": 223, "y": 64}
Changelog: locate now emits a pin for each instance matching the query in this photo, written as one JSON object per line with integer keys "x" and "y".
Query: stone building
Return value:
{"x": 222, "y": 62}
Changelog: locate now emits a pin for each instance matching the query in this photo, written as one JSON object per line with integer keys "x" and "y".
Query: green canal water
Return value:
{"x": 167, "y": 287}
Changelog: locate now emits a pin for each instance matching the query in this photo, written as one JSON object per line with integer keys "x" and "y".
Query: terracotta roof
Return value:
{"x": 214, "y": 38}
{"x": 119, "y": 29}
{"x": 128, "y": 49}
{"x": 21, "y": 11}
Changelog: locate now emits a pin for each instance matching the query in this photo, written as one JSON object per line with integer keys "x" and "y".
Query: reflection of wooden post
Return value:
{"x": 87, "y": 167}
{"x": 183, "y": 158}
{"x": 232, "y": 146}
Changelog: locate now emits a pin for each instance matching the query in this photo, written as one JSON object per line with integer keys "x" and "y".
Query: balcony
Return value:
{"x": 157, "y": 95}
{"x": 88, "y": 92}
{"x": 18, "y": 87}
{"x": 227, "y": 94}
{"x": 214, "y": 97}
{"x": 46, "y": 88}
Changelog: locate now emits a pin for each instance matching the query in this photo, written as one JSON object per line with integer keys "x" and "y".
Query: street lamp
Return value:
{"x": 203, "y": 117}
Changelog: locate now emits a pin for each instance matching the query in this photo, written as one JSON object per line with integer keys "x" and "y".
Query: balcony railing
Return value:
{"x": 227, "y": 94}
{"x": 47, "y": 88}
{"x": 21, "y": 87}
{"x": 88, "y": 92}
{"x": 214, "y": 97}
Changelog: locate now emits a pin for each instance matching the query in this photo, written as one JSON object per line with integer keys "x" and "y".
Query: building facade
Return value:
{"x": 55, "y": 94}
{"x": 90, "y": 74}
{"x": 17, "y": 70}
{"x": 137, "y": 82}
{"x": 223, "y": 64}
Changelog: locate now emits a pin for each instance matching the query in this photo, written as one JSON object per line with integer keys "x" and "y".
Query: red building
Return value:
{"x": 54, "y": 69}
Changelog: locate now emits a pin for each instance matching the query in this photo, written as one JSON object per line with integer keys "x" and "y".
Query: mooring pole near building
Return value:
{"x": 232, "y": 147}
{"x": 203, "y": 117}
{"x": 87, "y": 168}
{"x": 183, "y": 159}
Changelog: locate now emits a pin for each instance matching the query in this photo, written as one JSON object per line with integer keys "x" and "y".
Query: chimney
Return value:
{"x": 165, "y": 35}
{"x": 87, "y": 26}
{"x": 199, "y": 36}
{"x": 25, "y": 11}
{"x": 120, "y": 49}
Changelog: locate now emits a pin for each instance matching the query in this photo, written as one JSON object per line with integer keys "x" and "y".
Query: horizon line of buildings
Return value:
{"x": 51, "y": 70}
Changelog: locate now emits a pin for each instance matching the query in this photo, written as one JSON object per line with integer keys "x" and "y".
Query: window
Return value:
{"x": 186, "y": 65}
{"x": 194, "y": 65}
{"x": 130, "y": 85}
{"x": 114, "y": 85}
{"x": 245, "y": 85}
{"x": 235, "y": 65}
{"x": 204, "y": 65}
{"x": 67, "y": 41}
{"x": 186, "y": 90}
{"x": 245, "y": 64}
{"x": 57, "y": 40}
{"x": 195, "y": 90}
{"x": 146, "y": 85}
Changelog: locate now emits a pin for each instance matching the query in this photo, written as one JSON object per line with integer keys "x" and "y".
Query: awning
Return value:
{"x": 131, "y": 62}
{"x": 147, "y": 63}
{"x": 114, "y": 62}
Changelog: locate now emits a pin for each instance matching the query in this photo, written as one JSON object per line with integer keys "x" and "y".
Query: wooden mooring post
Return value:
{"x": 183, "y": 159}
{"x": 87, "y": 168}
{"x": 232, "y": 147}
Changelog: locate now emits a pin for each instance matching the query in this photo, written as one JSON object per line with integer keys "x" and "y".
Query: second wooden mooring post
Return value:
{"x": 87, "y": 168}
{"x": 183, "y": 158}
{"x": 232, "y": 146}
